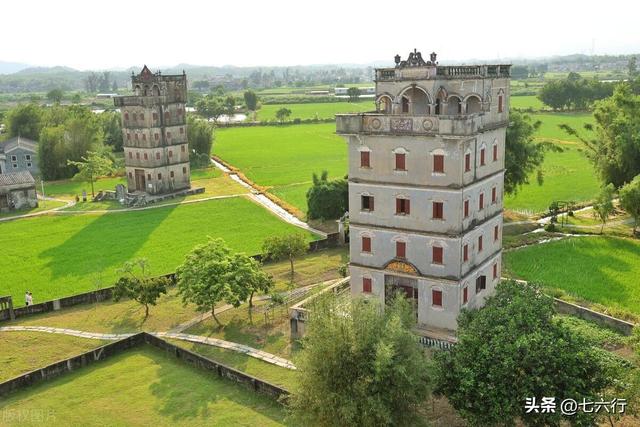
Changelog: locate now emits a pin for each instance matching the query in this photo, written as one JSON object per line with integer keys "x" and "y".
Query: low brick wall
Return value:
{"x": 103, "y": 294}
{"x": 91, "y": 357}
{"x": 622, "y": 326}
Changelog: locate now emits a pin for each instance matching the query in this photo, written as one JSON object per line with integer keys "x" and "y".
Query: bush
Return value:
{"x": 327, "y": 199}
{"x": 551, "y": 227}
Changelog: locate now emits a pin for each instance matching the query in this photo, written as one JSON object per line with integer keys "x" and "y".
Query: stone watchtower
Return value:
{"x": 426, "y": 173}
{"x": 156, "y": 151}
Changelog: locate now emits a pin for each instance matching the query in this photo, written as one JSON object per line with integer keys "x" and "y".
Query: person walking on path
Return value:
{"x": 29, "y": 298}
{"x": 26, "y": 298}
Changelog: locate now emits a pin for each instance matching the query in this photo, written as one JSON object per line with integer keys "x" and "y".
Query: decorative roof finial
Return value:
{"x": 397, "y": 58}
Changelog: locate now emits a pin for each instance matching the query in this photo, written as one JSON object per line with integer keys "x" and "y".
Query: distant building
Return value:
{"x": 426, "y": 176}
{"x": 19, "y": 154}
{"x": 17, "y": 191}
{"x": 154, "y": 127}
{"x": 341, "y": 91}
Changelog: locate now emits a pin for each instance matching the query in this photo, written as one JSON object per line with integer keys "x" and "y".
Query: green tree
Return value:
{"x": 511, "y": 350}
{"x": 137, "y": 286}
{"x": 111, "y": 125}
{"x": 52, "y": 153}
{"x": 94, "y": 165}
{"x": 615, "y": 147}
{"x": 210, "y": 108}
{"x": 251, "y": 101}
{"x": 353, "y": 93}
{"x": 199, "y": 135}
{"x": 360, "y": 365}
{"x": 327, "y": 199}
{"x": 289, "y": 246}
{"x": 230, "y": 107}
{"x": 632, "y": 67}
{"x": 55, "y": 95}
{"x": 249, "y": 278}
{"x": 603, "y": 205}
{"x": 283, "y": 114}
{"x": 630, "y": 200}
{"x": 523, "y": 155}
{"x": 25, "y": 120}
{"x": 208, "y": 276}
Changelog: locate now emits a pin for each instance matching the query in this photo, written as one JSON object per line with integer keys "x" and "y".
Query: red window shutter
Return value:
{"x": 495, "y": 270}
{"x": 370, "y": 203}
{"x": 465, "y": 295}
{"x": 149, "y": 176}
{"x": 366, "y": 285}
{"x": 479, "y": 243}
{"x": 130, "y": 154}
{"x": 495, "y": 152}
{"x": 366, "y": 244}
{"x": 481, "y": 201}
{"x": 401, "y": 249}
{"x": 437, "y": 255}
{"x": 467, "y": 162}
{"x": 437, "y": 210}
{"x": 126, "y": 116}
{"x": 146, "y": 156}
{"x": 438, "y": 163}
{"x": 465, "y": 253}
{"x": 436, "y": 296}
{"x": 482, "y": 157}
{"x": 364, "y": 159}
{"x": 500, "y": 106}
{"x": 466, "y": 209}
{"x": 398, "y": 206}
{"x": 495, "y": 233}
{"x": 157, "y": 156}
{"x": 407, "y": 205}
{"x": 493, "y": 195}
{"x": 400, "y": 161}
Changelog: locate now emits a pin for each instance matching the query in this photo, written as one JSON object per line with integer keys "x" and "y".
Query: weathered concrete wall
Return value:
{"x": 622, "y": 326}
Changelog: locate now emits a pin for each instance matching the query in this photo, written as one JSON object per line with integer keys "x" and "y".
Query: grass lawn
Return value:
{"x": 214, "y": 182}
{"x": 255, "y": 367}
{"x": 69, "y": 188}
{"x": 601, "y": 270}
{"x": 48, "y": 204}
{"x": 56, "y": 256}
{"x": 22, "y": 352}
{"x": 116, "y": 317}
{"x": 321, "y": 110}
{"x": 142, "y": 387}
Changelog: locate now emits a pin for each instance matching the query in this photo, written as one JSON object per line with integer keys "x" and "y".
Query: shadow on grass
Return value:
{"x": 104, "y": 243}
{"x": 182, "y": 401}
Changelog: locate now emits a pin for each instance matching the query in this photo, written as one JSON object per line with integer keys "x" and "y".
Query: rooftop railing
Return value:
{"x": 444, "y": 71}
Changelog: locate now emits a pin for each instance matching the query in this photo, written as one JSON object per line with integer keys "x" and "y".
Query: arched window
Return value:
{"x": 384, "y": 105}
{"x": 405, "y": 104}
{"x": 473, "y": 105}
{"x": 454, "y": 106}
{"x": 156, "y": 90}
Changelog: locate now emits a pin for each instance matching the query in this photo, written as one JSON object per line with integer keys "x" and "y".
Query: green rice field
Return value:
{"x": 602, "y": 270}
{"x": 325, "y": 110}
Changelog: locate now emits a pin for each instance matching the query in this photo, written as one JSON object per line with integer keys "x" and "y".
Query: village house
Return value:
{"x": 17, "y": 191}
{"x": 426, "y": 175}
{"x": 19, "y": 154}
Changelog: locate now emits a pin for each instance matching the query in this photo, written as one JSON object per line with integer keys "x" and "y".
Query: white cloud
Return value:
{"x": 252, "y": 32}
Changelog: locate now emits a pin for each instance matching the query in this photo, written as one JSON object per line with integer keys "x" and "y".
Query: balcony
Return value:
{"x": 377, "y": 123}
{"x": 145, "y": 101}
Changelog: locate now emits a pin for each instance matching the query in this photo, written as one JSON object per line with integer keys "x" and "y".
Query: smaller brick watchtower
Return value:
{"x": 154, "y": 127}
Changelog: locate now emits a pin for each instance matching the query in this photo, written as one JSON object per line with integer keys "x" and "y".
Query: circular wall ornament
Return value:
{"x": 376, "y": 123}
{"x": 427, "y": 124}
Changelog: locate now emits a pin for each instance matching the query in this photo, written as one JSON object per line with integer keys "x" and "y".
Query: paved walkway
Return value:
{"x": 268, "y": 203}
{"x": 240, "y": 348}
{"x": 68, "y": 204}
